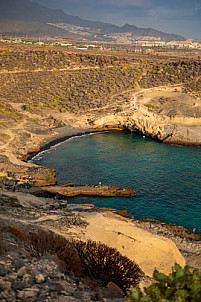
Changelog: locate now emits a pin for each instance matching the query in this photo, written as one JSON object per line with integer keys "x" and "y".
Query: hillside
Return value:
{"x": 31, "y": 28}
{"x": 94, "y": 89}
{"x": 26, "y": 11}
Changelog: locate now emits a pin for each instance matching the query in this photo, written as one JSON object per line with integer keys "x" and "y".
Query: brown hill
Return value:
{"x": 31, "y": 28}
{"x": 25, "y": 10}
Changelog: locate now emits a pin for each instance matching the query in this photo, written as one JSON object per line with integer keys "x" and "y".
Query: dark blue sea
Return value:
{"x": 166, "y": 178}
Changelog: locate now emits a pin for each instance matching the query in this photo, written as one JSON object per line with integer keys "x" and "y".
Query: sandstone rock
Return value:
{"x": 11, "y": 297}
{"x": 66, "y": 299}
{"x": 149, "y": 251}
{"x": 5, "y": 285}
{"x": 114, "y": 290}
{"x": 22, "y": 271}
{"x": 28, "y": 279}
{"x": 3, "y": 295}
{"x": 28, "y": 293}
{"x": 25, "y": 172}
{"x": 93, "y": 190}
{"x": 149, "y": 116}
{"x": 39, "y": 278}
{"x": 12, "y": 277}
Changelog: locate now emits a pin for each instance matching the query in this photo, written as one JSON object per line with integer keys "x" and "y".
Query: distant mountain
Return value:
{"x": 56, "y": 22}
{"x": 31, "y": 28}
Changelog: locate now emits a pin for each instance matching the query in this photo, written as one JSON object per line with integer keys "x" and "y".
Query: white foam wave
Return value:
{"x": 39, "y": 156}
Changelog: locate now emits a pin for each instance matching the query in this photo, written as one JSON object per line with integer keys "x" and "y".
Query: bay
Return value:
{"x": 166, "y": 178}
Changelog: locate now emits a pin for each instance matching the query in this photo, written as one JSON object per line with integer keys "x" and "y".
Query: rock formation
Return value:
{"x": 90, "y": 190}
{"x": 160, "y": 113}
{"x": 23, "y": 172}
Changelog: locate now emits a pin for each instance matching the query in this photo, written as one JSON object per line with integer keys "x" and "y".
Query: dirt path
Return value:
{"x": 112, "y": 96}
{"x": 53, "y": 69}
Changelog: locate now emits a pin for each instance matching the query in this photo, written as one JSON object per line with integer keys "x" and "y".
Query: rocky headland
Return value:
{"x": 49, "y": 95}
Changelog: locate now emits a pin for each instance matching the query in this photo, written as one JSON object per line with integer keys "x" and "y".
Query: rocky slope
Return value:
{"x": 25, "y": 277}
{"x": 42, "y": 277}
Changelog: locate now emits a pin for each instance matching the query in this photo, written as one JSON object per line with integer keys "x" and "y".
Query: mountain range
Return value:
{"x": 23, "y": 17}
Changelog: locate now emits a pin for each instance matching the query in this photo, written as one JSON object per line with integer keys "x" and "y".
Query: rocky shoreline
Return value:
{"x": 27, "y": 278}
{"x": 61, "y": 134}
{"x": 34, "y": 279}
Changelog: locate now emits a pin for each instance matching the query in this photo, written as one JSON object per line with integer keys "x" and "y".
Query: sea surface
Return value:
{"x": 166, "y": 178}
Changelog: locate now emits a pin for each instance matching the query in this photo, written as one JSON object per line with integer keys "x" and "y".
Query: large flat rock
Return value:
{"x": 94, "y": 190}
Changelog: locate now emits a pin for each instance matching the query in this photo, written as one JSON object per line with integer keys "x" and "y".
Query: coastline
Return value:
{"x": 108, "y": 226}
{"x": 63, "y": 134}
{"x": 163, "y": 246}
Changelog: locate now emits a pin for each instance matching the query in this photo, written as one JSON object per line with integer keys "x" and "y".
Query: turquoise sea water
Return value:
{"x": 167, "y": 179}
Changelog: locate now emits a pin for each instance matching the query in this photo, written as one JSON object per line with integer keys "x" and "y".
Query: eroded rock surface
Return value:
{"x": 33, "y": 174}
{"x": 91, "y": 190}
{"x": 161, "y": 113}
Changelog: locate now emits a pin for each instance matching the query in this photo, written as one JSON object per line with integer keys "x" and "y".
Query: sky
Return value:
{"x": 171, "y": 16}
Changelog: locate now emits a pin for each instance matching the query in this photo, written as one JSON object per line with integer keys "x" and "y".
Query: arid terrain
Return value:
{"x": 43, "y": 88}
{"x": 50, "y": 93}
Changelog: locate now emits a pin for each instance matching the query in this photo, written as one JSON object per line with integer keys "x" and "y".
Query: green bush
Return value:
{"x": 181, "y": 285}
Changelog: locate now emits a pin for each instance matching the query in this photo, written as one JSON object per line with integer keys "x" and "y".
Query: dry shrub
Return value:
{"x": 105, "y": 264}
{"x": 43, "y": 242}
{"x": 17, "y": 232}
{"x": 93, "y": 260}
{"x": 11, "y": 201}
{"x": 2, "y": 245}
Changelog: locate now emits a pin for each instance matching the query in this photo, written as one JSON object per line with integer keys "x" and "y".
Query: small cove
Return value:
{"x": 167, "y": 179}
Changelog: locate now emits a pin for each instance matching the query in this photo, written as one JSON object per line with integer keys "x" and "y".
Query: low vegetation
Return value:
{"x": 2, "y": 244}
{"x": 106, "y": 264}
{"x": 11, "y": 201}
{"x": 92, "y": 260}
{"x": 182, "y": 285}
{"x": 101, "y": 264}
{"x": 79, "y": 82}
